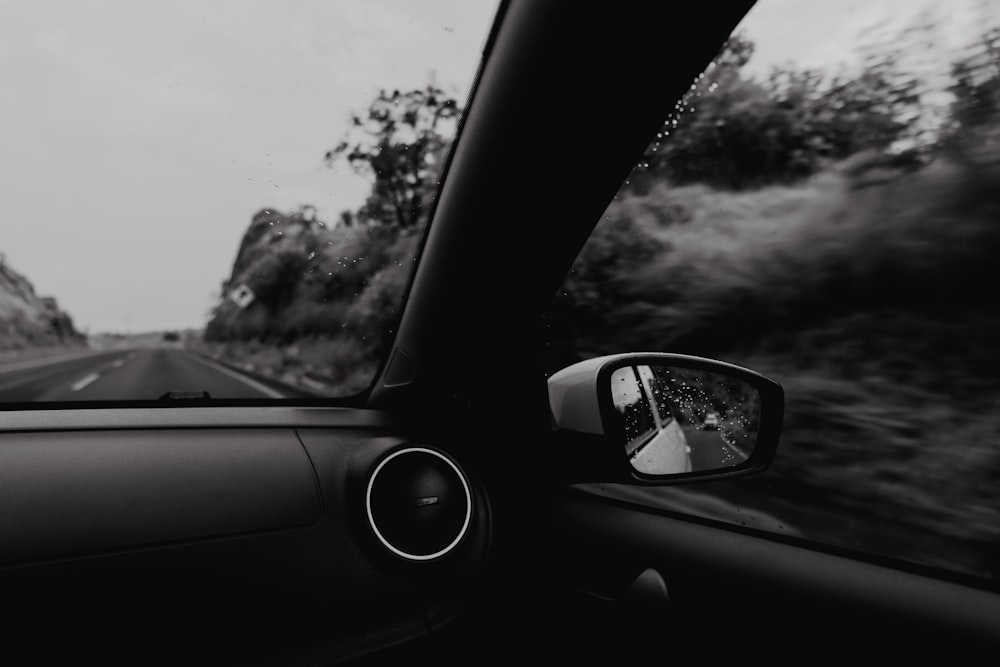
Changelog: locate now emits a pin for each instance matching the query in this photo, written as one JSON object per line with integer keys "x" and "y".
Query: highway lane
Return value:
{"x": 674, "y": 448}
{"x": 31, "y": 380}
{"x": 141, "y": 374}
{"x": 709, "y": 450}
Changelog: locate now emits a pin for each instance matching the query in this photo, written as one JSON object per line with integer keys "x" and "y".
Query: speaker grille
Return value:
{"x": 418, "y": 503}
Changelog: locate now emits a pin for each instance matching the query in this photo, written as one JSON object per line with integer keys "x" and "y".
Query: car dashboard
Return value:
{"x": 249, "y": 535}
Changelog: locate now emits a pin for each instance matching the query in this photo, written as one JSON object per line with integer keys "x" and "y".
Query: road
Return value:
{"x": 669, "y": 450}
{"x": 709, "y": 450}
{"x": 665, "y": 453}
{"x": 138, "y": 374}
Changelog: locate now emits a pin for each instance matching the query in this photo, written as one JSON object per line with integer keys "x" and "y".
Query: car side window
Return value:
{"x": 821, "y": 208}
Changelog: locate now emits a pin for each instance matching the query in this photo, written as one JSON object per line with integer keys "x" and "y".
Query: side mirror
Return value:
{"x": 663, "y": 418}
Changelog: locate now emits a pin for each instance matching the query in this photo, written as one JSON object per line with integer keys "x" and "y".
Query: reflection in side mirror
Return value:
{"x": 656, "y": 418}
{"x": 677, "y": 420}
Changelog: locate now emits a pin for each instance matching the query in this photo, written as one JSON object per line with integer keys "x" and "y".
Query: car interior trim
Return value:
{"x": 371, "y": 519}
{"x": 70, "y": 494}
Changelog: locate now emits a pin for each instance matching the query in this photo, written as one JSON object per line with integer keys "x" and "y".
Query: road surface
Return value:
{"x": 667, "y": 452}
{"x": 140, "y": 374}
{"x": 710, "y": 451}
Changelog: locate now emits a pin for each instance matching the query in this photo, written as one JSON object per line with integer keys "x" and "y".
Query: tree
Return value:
{"x": 731, "y": 131}
{"x": 974, "y": 131}
{"x": 399, "y": 141}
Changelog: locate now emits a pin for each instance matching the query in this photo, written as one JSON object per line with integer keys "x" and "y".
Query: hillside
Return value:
{"x": 28, "y": 320}
{"x": 305, "y": 299}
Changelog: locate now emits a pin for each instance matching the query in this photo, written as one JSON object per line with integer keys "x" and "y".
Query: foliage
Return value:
{"x": 731, "y": 131}
{"x": 399, "y": 141}
{"x": 973, "y": 135}
{"x": 345, "y": 282}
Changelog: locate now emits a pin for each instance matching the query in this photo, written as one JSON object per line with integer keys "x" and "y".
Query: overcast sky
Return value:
{"x": 138, "y": 138}
{"x": 820, "y": 33}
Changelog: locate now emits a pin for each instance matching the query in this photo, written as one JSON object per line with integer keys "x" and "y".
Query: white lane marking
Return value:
{"x": 41, "y": 362}
{"x": 118, "y": 363}
{"x": 242, "y": 378}
{"x": 84, "y": 381}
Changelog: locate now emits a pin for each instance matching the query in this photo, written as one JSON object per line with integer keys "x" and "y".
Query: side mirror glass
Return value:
{"x": 666, "y": 417}
{"x": 678, "y": 420}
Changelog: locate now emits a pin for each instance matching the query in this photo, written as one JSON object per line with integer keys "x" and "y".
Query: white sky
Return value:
{"x": 138, "y": 138}
{"x": 818, "y": 33}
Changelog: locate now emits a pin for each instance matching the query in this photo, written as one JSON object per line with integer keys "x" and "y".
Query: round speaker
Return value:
{"x": 418, "y": 503}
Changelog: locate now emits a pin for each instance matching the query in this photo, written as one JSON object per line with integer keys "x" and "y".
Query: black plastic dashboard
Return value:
{"x": 230, "y": 535}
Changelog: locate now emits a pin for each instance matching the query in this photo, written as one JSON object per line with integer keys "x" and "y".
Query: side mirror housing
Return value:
{"x": 655, "y": 418}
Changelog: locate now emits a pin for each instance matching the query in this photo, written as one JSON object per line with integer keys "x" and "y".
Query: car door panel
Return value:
{"x": 730, "y": 589}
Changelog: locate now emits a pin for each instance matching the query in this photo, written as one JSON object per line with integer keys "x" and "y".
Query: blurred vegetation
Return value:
{"x": 839, "y": 234}
{"x": 400, "y": 142}
{"x": 734, "y": 132}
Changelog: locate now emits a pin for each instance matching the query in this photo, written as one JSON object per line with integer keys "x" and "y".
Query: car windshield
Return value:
{"x": 218, "y": 199}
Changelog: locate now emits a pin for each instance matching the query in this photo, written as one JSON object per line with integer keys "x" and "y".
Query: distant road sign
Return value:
{"x": 242, "y": 296}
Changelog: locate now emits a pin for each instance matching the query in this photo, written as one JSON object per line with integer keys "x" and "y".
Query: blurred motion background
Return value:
{"x": 837, "y": 231}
